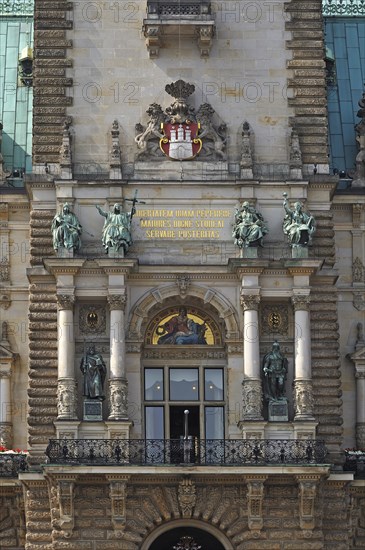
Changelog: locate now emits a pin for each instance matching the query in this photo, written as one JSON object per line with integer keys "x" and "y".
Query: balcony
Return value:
{"x": 11, "y": 464}
{"x": 171, "y": 20}
{"x": 192, "y": 452}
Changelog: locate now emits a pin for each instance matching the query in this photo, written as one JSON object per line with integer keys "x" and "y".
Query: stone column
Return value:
{"x": 360, "y": 410}
{"x": 252, "y": 389}
{"x": 66, "y": 392}
{"x": 303, "y": 395}
{"x": 118, "y": 386}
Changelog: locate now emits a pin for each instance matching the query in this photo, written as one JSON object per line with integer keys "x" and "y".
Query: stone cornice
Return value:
{"x": 120, "y": 266}
{"x": 63, "y": 266}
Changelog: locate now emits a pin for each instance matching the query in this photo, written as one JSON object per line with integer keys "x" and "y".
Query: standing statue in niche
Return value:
{"x": 249, "y": 228}
{"x": 180, "y": 329}
{"x": 117, "y": 228}
{"x": 275, "y": 368}
{"x": 298, "y": 225}
{"x": 66, "y": 230}
{"x": 94, "y": 370}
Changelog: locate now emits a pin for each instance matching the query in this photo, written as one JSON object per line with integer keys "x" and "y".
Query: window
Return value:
{"x": 171, "y": 391}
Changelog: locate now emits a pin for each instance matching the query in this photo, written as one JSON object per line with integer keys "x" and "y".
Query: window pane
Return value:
{"x": 213, "y": 379}
{"x": 214, "y": 423}
{"x": 154, "y": 423}
{"x": 153, "y": 384}
{"x": 184, "y": 385}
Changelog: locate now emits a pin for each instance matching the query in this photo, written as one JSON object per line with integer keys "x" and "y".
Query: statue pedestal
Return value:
{"x": 278, "y": 411}
{"x": 65, "y": 252}
{"x": 249, "y": 252}
{"x": 114, "y": 253}
{"x": 93, "y": 410}
{"x": 299, "y": 252}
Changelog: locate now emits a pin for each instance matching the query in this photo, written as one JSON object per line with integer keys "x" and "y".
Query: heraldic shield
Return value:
{"x": 181, "y": 140}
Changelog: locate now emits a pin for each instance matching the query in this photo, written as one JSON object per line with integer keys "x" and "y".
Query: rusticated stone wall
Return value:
{"x": 219, "y": 501}
{"x": 325, "y": 340}
{"x": 40, "y": 236}
{"x": 51, "y": 98}
{"x": 308, "y": 81}
{"x": 12, "y": 521}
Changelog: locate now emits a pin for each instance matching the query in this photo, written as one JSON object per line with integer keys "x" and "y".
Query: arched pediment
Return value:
{"x": 206, "y": 301}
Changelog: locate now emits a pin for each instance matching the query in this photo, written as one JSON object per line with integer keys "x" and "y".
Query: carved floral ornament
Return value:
{"x": 249, "y": 301}
{"x": 301, "y": 302}
{"x": 65, "y": 301}
{"x": 117, "y": 301}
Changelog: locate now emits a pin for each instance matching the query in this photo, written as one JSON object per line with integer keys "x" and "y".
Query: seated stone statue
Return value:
{"x": 249, "y": 227}
{"x": 117, "y": 228}
{"x": 298, "y": 226}
{"x": 274, "y": 368}
{"x": 66, "y": 230}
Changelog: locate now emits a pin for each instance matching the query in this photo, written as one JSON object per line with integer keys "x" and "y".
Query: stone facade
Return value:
{"x": 90, "y": 103}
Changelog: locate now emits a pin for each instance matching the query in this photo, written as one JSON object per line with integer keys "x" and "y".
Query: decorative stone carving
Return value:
{"x": 6, "y": 434}
{"x": 307, "y": 495}
{"x": 5, "y": 301}
{"x": 255, "y": 497}
{"x": 180, "y": 132}
{"x": 295, "y": 162}
{"x": 359, "y": 301}
{"x": 301, "y": 302}
{"x": 65, "y": 301}
{"x": 4, "y": 269}
{"x": 65, "y": 151}
{"x": 252, "y": 399}
{"x": 303, "y": 399}
{"x": 246, "y": 162}
{"x": 274, "y": 319}
{"x": 118, "y": 395}
{"x": 117, "y": 301}
{"x": 66, "y": 399}
{"x": 187, "y": 497}
{"x": 152, "y": 34}
{"x": 360, "y": 434}
{"x": 92, "y": 319}
{"x": 187, "y": 543}
{"x": 115, "y": 153}
{"x": 356, "y": 214}
{"x": 183, "y": 282}
{"x": 249, "y": 302}
{"x": 359, "y": 178}
{"x": 118, "y": 495}
{"x": 65, "y": 494}
{"x": 358, "y": 271}
{"x": 205, "y": 39}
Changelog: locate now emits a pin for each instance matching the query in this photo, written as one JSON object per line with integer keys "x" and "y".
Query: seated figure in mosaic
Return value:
{"x": 275, "y": 368}
{"x": 249, "y": 228}
{"x": 298, "y": 225}
{"x": 66, "y": 230}
{"x": 181, "y": 330}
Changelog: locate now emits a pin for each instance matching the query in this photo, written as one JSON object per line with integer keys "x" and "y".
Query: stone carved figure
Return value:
{"x": 181, "y": 329}
{"x": 214, "y": 140}
{"x": 298, "y": 225}
{"x": 145, "y": 136}
{"x": 275, "y": 368}
{"x": 94, "y": 370}
{"x": 249, "y": 228}
{"x": 66, "y": 230}
{"x": 117, "y": 228}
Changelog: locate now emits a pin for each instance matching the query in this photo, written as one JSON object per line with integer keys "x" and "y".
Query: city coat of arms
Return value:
{"x": 179, "y": 132}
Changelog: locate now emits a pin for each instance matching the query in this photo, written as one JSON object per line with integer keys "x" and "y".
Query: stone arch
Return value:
{"x": 156, "y": 299}
{"x": 187, "y": 523}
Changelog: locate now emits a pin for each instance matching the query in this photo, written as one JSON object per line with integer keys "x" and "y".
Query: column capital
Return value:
{"x": 301, "y": 302}
{"x": 249, "y": 301}
{"x": 117, "y": 301}
{"x": 65, "y": 301}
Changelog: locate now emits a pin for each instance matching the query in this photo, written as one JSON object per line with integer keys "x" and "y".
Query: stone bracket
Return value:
{"x": 65, "y": 492}
{"x": 307, "y": 493}
{"x": 154, "y": 30}
{"x": 187, "y": 497}
{"x": 118, "y": 496}
{"x": 255, "y": 498}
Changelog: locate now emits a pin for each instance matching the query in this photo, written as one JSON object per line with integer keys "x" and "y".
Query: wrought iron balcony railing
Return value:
{"x": 208, "y": 452}
{"x": 355, "y": 462}
{"x": 183, "y": 8}
{"x": 343, "y": 7}
{"x": 12, "y": 464}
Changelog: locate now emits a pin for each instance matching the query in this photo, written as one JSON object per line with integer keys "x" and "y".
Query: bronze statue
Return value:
{"x": 117, "y": 228}
{"x": 275, "y": 368}
{"x": 249, "y": 228}
{"x": 66, "y": 230}
{"x": 94, "y": 370}
{"x": 297, "y": 225}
